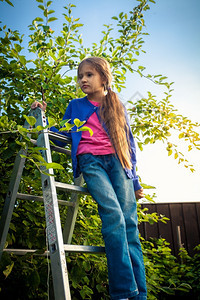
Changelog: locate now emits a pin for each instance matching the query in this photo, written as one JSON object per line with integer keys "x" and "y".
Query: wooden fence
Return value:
{"x": 183, "y": 228}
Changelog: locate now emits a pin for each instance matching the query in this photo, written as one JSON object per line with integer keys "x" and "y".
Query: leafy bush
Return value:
{"x": 167, "y": 276}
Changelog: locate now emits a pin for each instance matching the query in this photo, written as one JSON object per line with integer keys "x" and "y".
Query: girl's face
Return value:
{"x": 91, "y": 82}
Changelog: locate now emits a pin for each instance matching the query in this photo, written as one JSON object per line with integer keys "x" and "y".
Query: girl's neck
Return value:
{"x": 95, "y": 98}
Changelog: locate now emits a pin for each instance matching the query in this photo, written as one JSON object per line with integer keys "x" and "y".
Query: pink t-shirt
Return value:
{"x": 97, "y": 144}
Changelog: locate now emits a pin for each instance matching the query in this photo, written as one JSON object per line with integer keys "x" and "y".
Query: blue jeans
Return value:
{"x": 109, "y": 185}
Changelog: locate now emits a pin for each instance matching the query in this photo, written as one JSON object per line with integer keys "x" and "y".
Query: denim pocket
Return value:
{"x": 84, "y": 159}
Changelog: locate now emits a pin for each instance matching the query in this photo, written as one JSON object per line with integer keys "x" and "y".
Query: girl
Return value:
{"x": 108, "y": 163}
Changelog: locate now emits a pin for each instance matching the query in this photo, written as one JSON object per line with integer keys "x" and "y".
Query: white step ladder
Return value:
{"x": 59, "y": 242}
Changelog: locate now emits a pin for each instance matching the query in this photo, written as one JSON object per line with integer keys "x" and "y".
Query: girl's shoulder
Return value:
{"x": 78, "y": 101}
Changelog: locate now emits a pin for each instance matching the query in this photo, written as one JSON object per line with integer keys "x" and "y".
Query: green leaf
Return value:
{"x": 181, "y": 135}
{"x": 23, "y": 156}
{"x": 30, "y": 119}
{"x": 176, "y": 155}
{"x": 22, "y": 59}
{"x": 52, "y": 55}
{"x": 39, "y": 128}
{"x": 21, "y": 129}
{"x": 54, "y": 166}
{"x": 12, "y": 226}
{"x": 45, "y": 13}
{"x": 49, "y": 3}
{"x": 39, "y": 19}
{"x": 46, "y": 28}
{"x": 67, "y": 127}
{"x": 148, "y": 197}
{"x": 34, "y": 279}
{"x": 8, "y": 269}
{"x": 35, "y": 149}
{"x": 18, "y": 48}
{"x": 60, "y": 41}
{"x": 22, "y": 144}
{"x": 168, "y": 290}
{"x": 41, "y": 7}
{"x": 51, "y": 122}
{"x": 10, "y": 3}
{"x": 184, "y": 287}
{"x": 85, "y": 128}
{"x": 169, "y": 152}
{"x": 78, "y": 123}
{"x": 51, "y": 11}
{"x": 38, "y": 157}
{"x": 63, "y": 122}
{"x": 52, "y": 19}
{"x": 146, "y": 186}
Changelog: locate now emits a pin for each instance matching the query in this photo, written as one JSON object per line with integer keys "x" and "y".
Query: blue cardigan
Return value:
{"x": 83, "y": 109}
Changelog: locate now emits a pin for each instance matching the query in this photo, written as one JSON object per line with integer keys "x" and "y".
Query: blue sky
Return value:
{"x": 172, "y": 49}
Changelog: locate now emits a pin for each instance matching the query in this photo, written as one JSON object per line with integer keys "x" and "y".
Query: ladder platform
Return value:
{"x": 68, "y": 248}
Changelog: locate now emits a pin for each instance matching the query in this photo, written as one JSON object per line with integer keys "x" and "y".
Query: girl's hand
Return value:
{"x": 139, "y": 194}
{"x": 42, "y": 105}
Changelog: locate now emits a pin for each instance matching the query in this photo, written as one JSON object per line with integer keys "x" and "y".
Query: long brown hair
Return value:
{"x": 112, "y": 112}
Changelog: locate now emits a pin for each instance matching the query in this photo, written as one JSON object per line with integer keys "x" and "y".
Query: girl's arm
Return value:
{"x": 137, "y": 187}
{"x": 139, "y": 194}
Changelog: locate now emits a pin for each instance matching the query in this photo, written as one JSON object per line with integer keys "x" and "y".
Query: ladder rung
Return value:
{"x": 84, "y": 249}
{"x": 40, "y": 199}
{"x": 60, "y": 149}
{"x": 71, "y": 188}
{"x": 67, "y": 248}
{"x": 55, "y": 148}
{"x": 59, "y": 137}
{"x": 26, "y": 251}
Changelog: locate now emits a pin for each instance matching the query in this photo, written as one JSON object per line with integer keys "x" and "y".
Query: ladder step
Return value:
{"x": 71, "y": 188}
{"x": 60, "y": 149}
{"x": 54, "y": 148}
{"x": 26, "y": 251}
{"x": 67, "y": 248}
{"x": 40, "y": 199}
{"x": 59, "y": 137}
{"x": 84, "y": 249}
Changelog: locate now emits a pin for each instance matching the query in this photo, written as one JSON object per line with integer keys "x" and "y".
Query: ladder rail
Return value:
{"x": 11, "y": 198}
{"x": 72, "y": 213}
{"x": 12, "y": 195}
{"x": 53, "y": 224}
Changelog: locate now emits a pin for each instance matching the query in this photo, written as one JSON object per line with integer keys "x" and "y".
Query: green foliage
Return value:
{"x": 156, "y": 120}
{"x": 167, "y": 277}
{"x": 47, "y": 74}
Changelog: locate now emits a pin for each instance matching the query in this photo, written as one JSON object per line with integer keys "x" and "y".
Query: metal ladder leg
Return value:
{"x": 72, "y": 214}
{"x": 52, "y": 214}
{"x": 11, "y": 198}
